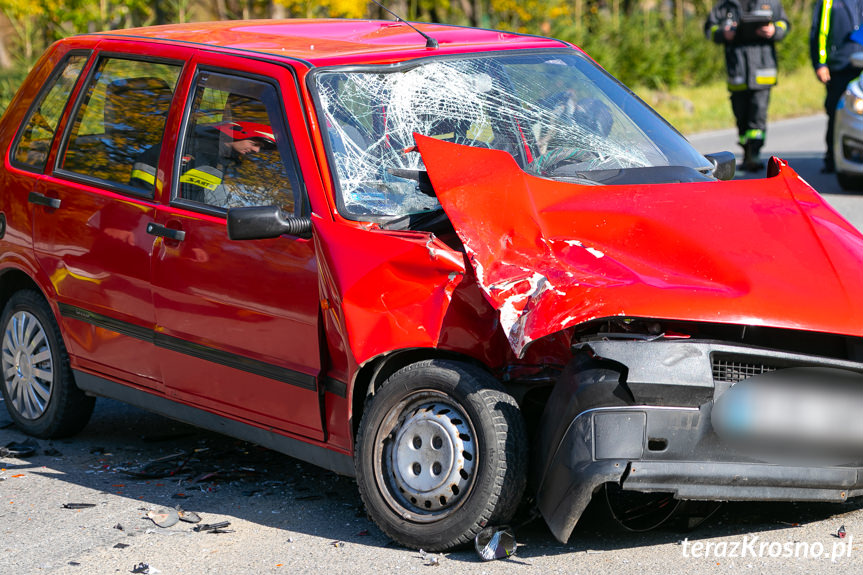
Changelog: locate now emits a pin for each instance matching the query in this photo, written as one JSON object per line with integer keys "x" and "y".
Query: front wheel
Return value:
{"x": 38, "y": 387}
{"x": 441, "y": 453}
{"x": 850, "y": 182}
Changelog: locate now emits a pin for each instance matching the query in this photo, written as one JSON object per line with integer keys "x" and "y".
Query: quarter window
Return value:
{"x": 34, "y": 142}
{"x": 121, "y": 117}
{"x": 235, "y": 152}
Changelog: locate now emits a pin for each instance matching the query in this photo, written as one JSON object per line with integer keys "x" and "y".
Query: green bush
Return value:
{"x": 649, "y": 50}
{"x": 10, "y": 81}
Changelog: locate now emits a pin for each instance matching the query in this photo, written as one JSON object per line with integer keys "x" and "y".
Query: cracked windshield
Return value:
{"x": 557, "y": 114}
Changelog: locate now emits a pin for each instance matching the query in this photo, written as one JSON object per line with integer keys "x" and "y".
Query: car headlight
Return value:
{"x": 853, "y": 103}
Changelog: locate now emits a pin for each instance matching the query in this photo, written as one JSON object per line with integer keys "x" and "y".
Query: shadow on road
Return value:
{"x": 219, "y": 477}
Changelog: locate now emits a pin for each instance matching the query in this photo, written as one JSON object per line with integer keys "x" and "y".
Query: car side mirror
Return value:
{"x": 724, "y": 165}
{"x": 261, "y": 222}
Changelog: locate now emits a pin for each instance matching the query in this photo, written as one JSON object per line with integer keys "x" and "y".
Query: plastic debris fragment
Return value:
{"x": 188, "y": 516}
{"x": 211, "y": 526}
{"x": 78, "y": 505}
{"x": 495, "y": 543}
{"x": 15, "y": 449}
{"x": 841, "y": 533}
{"x": 164, "y": 517}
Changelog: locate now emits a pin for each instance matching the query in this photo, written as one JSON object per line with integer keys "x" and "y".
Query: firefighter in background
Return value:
{"x": 831, "y": 47}
{"x": 749, "y": 30}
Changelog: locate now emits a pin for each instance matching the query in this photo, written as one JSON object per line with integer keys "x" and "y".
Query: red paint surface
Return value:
{"x": 755, "y": 252}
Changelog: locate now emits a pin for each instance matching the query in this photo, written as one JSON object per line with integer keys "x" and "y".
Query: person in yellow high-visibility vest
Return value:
{"x": 830, "y": 48}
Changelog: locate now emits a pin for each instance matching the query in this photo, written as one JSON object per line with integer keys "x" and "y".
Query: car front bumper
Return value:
{"x": 639, "y": 414}
{"x": 848, "y": 142}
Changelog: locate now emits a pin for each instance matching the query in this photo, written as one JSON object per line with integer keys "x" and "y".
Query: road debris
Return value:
{"x": 164, "y": 517}
{"x": 167, "y": 466}
{"x": 19, "y": 450}
{"x": 78, "y": 505}
{"x": 145, "y": 569}
{"x": 337, "y": 543}
{"x": 213, "y": 527}
{"x": 120, "y": 545}
{"x": 841, "y": 533}
{"x": 429, "y": 559}
{"x": 188, "y": 516}
{"x": 495, "y": 543}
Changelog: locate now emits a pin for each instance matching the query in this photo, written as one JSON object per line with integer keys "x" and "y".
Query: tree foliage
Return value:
{"x": 642, "y": 42}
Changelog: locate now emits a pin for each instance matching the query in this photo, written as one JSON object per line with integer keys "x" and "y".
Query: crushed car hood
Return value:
{"x": 549, "y": 255}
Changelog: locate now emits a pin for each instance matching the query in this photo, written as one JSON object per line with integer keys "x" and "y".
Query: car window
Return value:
{"x": 34, "y": 140}
{"x": 121, "y": 116}
{"x": 235, "y": 146}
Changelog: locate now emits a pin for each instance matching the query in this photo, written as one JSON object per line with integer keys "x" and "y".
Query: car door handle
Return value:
{"x": 43, "y": 200}
{"x": 157, "y": 230}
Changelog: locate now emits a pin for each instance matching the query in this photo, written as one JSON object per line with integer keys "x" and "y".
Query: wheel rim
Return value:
{"x": 27, "y": 366}
{"x": 425, "y": 457}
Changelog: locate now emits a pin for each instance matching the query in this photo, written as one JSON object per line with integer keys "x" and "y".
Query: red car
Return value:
{"x": 451, "y": 262}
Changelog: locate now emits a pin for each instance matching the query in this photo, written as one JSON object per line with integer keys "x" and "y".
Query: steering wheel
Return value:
{"x": 553, "y": 159}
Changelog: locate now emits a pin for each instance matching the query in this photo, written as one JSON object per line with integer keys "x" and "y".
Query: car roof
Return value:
{"x": 333, "y": 41}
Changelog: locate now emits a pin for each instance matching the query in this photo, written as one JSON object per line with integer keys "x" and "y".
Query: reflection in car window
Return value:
{"x": 232, "y": 153}
{"x": 557, "y": 113}
{"x": 122, "y": 115}
{"x": 40, "y": 125}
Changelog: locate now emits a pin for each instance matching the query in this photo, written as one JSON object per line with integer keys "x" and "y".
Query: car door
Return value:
{"x": 238, "y": 321}
{"x": 89, "y": 223}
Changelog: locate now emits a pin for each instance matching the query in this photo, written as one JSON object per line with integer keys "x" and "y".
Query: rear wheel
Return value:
{"x": 38, "y": 387}
{"x": 441, "y": 453}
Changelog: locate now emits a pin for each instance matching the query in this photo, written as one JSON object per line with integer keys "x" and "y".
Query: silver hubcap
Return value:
{"x": 427, "y": 457}
{"x": 27, "y": 367}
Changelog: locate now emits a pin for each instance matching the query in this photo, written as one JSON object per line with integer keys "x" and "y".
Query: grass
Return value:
{"x": 706, "y": 108}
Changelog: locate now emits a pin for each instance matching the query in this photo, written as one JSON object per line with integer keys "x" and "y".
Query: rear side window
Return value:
{"x": 121, "y": 117}
{"x": 236, "y": 152}
{"x": 34, "y": 140}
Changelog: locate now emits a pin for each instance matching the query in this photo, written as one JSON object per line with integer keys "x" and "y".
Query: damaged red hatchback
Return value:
{"x": 408, "y": 257}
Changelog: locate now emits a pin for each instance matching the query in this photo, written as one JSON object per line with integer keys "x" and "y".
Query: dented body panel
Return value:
{"x": 552, "y": 255}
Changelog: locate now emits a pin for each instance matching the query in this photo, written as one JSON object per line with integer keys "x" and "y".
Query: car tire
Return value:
{"x": 441, "y": 452}
{"x": 38, "y": 387}
{"x": 850, "y": 183}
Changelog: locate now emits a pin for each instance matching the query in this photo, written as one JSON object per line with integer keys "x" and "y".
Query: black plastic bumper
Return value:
{"x": 596, "y": 430}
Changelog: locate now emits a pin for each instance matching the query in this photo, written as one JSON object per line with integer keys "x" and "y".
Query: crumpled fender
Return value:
{"x": 384, "y": 290}
{"x": 550, "y": 255}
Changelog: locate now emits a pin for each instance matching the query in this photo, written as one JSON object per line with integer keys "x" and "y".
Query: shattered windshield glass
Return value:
{"x": 557, "y": 113}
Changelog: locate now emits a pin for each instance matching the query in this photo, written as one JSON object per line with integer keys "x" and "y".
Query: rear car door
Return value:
{"x": 238, "y": 321}
{"x": 90, "y": 222}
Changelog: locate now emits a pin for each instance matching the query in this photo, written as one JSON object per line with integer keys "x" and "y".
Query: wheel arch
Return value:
{"x": 376, "y": 371}
{"x": 13, "y": 280}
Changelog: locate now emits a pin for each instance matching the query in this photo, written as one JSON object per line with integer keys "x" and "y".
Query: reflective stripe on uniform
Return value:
{"x": 824, "y": 30}
{"x": 765, "y": 76}
{"x": 751, "y": 135}
{"x": 712, "y": 32}
{"x": 203, "y": 177}
{"x": 144, "y": 172}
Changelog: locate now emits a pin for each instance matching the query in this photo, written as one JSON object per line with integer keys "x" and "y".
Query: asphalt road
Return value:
{"x": 800, "y": 142}
{"x": 289, "y": 517}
